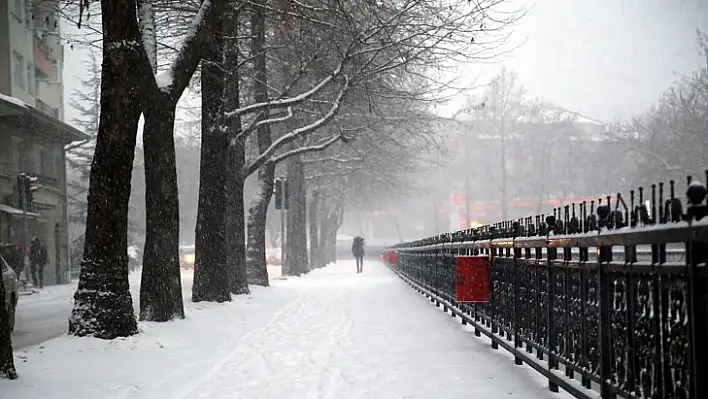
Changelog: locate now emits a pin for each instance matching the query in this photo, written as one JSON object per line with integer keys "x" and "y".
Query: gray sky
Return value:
{"x": 608, "y": 59}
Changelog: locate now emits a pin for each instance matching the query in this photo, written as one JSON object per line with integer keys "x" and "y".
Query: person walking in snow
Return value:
{"x": 358, "y": 252}
{"x": 38, "y": 258}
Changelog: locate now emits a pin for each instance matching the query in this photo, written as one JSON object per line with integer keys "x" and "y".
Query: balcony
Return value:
{"x": 47, "y": 109}
{"x": 49, "y": 93}
{"x": 45, "y": 57}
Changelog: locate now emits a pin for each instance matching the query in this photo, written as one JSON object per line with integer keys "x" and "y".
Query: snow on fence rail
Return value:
{"x": 608, "y": 301}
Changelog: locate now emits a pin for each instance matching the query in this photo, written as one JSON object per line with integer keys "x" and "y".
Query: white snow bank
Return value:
{"x": 330, "y": 334}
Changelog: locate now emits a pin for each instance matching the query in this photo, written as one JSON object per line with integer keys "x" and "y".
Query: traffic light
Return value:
{"x": 286, "y": 195}
{"x": 281, "y": 194}
{"x": 26, "y": 186}
{"x": 278, "y": 192}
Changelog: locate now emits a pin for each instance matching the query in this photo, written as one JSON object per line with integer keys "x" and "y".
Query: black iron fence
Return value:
{"x": 607, "y": 297}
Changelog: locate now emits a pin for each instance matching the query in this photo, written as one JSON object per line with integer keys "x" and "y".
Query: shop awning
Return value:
{"x": 17, "y": 212}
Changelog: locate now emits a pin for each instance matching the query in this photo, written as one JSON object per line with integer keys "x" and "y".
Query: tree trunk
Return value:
{"x": 296, "y": 243}
{"x": 211, "y": 275}
{"x": 337, "y": 219}
{"x": 315, "y": 253}
{"x": 7, "y": 358}
{"x": 331, "y": 220}
{"x": 235, "y": 224}
{"x": 103, "y": 307}
{"x": 236, "y": 234}
{"x": 324, "y": 232}
{"x": 161, "y": 283}
{"x": 258, "y": 212}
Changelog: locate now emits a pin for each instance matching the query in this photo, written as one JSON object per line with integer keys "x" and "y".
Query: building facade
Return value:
{"x": 31, "y": 54}
{"x": 32, "y": 134}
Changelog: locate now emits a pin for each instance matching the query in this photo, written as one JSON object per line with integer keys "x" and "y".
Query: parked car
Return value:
{"x": 9, "y": 279}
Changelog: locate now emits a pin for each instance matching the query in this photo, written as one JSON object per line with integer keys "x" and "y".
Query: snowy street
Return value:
{"x": 42, "y": 316}
{"x": 329, "y": 334}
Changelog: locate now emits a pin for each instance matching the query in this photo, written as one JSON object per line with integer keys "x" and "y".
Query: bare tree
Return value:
{"x": 672, "y": 137}
{"x": 502, "y": 108}
{"x": 359, "y": 43}
{"x": 212, "y": 276}
{"x": 103, "y": 306}
{"x": 160, "y": 289}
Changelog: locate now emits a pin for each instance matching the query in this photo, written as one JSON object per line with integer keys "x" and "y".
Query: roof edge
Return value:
{"x": 72, "y": 134}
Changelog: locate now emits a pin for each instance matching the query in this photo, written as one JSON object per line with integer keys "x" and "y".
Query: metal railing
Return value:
{"x": 608, "y": 300}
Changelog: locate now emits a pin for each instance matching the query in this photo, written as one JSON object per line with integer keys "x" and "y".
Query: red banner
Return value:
{"x": 473, "y": 279}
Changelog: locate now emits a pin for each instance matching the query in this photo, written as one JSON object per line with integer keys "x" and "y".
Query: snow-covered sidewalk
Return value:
{"x": 331, "y": 334}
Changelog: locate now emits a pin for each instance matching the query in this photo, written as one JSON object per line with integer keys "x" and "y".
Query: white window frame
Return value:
{"x": 18, "y": 7}
{"x": 18, "y": 74}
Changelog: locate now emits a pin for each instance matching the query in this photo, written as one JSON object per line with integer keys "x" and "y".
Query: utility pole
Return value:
{"x": 281, "y": 203}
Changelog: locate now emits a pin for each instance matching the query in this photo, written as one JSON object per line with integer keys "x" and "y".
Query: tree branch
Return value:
{"x": 286, "y": 102}
{"x": 303, "y": 150}
{"x": 287, "y": 138}
{"x": 177, "y": 77}
{"x": 333, "y": 159}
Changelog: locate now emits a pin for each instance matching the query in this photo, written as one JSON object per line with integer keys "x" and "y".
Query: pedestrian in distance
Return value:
{"x": 358, "y": 252}
{"x": 38, "y": 258}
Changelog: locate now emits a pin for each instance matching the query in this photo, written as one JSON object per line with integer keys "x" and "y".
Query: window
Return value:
{"x": 17, "y": 8}
{"x": 38, "y": 160}
{"x": 58, "y": 165}
{"x": 48, "y": 163}
{"x": 16, "y": 154}
{"x": 30, "y": 81}
{"x": 18, "y": 72}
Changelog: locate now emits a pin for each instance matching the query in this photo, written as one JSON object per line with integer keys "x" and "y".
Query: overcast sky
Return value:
{"x": 608, "y": 59}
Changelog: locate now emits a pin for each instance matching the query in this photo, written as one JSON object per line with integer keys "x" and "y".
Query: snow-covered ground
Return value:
{"x": 330, "y": 334}
{"x": 43, "y": 315}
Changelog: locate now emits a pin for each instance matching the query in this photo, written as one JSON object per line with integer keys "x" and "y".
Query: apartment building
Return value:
{"x": 32, "y": 134}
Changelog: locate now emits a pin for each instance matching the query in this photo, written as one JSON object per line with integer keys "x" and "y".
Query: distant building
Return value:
{"x": 32, "y": 134}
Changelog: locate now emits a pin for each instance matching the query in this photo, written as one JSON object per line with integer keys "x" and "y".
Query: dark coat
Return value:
{"x": 38, "y": 254}
{"x": 358, "y": 247}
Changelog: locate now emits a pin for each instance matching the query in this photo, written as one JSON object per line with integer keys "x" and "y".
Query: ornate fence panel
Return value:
{"x": 608, "y": 297}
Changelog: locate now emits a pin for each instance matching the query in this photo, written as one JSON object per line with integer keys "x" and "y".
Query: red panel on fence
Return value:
{"x": 472, "y": 280}
{"x": 393, "y": 258}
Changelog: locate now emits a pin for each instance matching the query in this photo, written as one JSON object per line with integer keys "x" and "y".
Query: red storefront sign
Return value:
{"x": 472, "y": 279}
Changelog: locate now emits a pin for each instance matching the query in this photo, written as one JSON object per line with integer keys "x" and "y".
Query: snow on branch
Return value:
{"x": 188, "y": 55}
{"x": 333, "y": 159}
{"x": 286, "y": 102}
{"x": 148, "y": 31}
{"x": 306, "y": 149}
{"x": 289, "y": 137}
{"x": 256, "y": 123}
{"x": 340, "y": 173}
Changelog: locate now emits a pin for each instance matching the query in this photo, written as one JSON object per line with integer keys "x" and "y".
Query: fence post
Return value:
{"x": 697, "y": 253}
{"x": 551, "y": 255}
{"x": 605, "y": 301}
{"x": 517, "y": 294}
